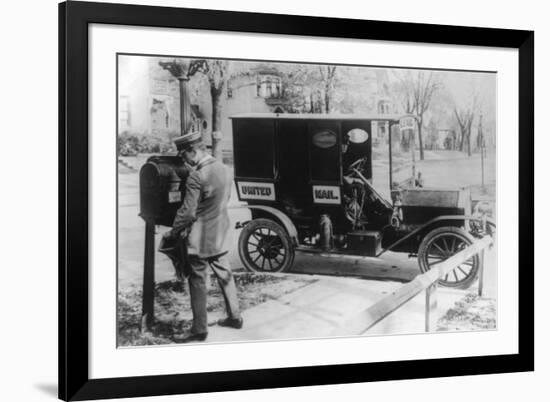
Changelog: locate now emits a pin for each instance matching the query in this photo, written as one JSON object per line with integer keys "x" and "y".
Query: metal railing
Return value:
{"x": 427, "y": 282}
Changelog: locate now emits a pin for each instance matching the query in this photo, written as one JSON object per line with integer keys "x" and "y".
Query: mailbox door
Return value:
{"x": 162, "y": 188}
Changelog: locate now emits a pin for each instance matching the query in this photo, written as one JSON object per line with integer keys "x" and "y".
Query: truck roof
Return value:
{"x": 318, "y": 116}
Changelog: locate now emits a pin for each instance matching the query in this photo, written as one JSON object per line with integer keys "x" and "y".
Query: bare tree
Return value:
{"x": 216, "y": 71}
{"x": 309, "y": 88}
{"x": 328, "y": 82}
{"x": 465, "y": 117}
{"x": 299, "y": 88}
{"x": 417, "y": 90}
{"x": 320, "y": 81}
{"x": 405, "y": 89}
{"x": 424, "y": 89}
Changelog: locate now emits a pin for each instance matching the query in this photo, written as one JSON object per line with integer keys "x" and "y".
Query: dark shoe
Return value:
{"x": 190, "y": 337}
{"x": 236, "y": 323}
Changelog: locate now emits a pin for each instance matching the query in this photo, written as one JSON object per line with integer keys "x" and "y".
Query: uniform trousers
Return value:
{"x": 198, "y": 292}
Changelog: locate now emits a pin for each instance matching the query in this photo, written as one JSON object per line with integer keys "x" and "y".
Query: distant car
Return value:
{"x": 307, "y": 180}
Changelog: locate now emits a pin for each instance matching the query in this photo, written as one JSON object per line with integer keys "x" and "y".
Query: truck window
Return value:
{"x": 253, "y": 148}
{"x": 324, "y": 151}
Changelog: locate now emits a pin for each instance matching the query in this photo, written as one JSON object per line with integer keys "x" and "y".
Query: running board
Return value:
{"x": 330, "y": 253}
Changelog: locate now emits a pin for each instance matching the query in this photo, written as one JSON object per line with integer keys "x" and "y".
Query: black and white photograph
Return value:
{"x": 262, "y": 200}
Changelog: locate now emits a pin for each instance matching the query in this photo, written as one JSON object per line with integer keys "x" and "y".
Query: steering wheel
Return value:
{"x": 358, "y": 164}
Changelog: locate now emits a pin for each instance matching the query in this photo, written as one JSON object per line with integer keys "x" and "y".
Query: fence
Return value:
{"x": 425, "y": 282}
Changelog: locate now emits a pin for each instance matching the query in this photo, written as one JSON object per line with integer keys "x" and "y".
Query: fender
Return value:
{"x": 285, "y": 220}
{"x": 489, "y": 221}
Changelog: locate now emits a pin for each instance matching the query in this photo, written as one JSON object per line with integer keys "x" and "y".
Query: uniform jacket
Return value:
{"x": 204, "y": 209}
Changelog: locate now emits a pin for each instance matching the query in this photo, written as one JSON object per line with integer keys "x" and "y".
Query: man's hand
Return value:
{"x": 168, "y": 235}
{"x": 172, "y": 234}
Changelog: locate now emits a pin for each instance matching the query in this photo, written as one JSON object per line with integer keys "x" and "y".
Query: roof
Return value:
{"x": 317, "y": 116}
{"x": 264, "y": 69}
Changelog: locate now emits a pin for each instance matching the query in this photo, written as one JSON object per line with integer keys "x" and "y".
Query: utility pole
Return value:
{"x": 413, "y": 146}
{"x": 179, "y": 69}
{"x": 482, "y": 151}
{"x": 390, "y": 159}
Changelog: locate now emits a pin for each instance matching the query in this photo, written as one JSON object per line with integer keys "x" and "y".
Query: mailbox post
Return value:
{"x": 148, "y": 306}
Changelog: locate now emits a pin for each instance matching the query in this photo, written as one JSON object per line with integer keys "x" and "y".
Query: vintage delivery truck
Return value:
{"x": 307, "y": 180}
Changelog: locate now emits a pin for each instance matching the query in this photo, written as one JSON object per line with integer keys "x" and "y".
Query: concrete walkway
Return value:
{"x": 316, "y": 310}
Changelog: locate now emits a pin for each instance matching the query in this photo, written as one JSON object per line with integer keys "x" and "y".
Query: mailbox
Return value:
{"x": 162, "y": 188}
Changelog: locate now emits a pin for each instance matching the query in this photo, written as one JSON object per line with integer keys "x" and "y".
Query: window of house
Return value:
{"x": 268, "y": 86}
{"x": 384, "y": 107}
{"x": 160, "y": 118}
{"x": 123, "y": 113}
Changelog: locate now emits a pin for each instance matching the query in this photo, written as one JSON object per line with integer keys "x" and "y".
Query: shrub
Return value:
{"x": 129, "y": 144}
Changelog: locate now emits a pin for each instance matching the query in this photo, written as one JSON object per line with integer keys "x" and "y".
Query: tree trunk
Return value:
{"x": 217, "y": 135}
{"x": 327, "y": 100}
{"x": 420, "y": 142}
{"x": 454, "y": 140}
{"x": 405, "y": 141}
{"x": 480, "y": 139}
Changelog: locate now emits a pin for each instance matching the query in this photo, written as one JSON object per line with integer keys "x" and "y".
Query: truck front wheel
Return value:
{"x": 442, "y": 243}
{"x": 264, "y": 246}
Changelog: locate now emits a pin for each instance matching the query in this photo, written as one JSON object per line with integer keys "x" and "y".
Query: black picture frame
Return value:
{"x": 74, "y": 18}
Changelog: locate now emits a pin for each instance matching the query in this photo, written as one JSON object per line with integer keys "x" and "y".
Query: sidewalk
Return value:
{"x": 316, "y": 310}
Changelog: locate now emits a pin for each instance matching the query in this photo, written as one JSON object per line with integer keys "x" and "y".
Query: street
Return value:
{"x": 436, "y": 170}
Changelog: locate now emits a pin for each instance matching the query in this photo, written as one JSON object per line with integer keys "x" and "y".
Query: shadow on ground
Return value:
{"x": 48, "y": 389}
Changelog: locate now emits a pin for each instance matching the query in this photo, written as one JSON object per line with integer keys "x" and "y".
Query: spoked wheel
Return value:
{"x": 264, "y": 246}
{"x": 442, "y": 243}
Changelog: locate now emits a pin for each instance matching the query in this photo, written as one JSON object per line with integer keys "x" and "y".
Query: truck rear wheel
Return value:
{"x": 264, "y": 246}
{"x": 442, "y": 243}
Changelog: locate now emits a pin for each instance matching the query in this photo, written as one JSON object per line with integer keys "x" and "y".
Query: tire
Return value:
{"x": 264, "y": 246}
{"x": 440, "y": 244}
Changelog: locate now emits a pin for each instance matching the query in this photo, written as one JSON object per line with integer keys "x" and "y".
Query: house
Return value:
{"x": 384, "y": 104}
{"x": 148, "y": 100}
{"x": 256, "y": 89}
